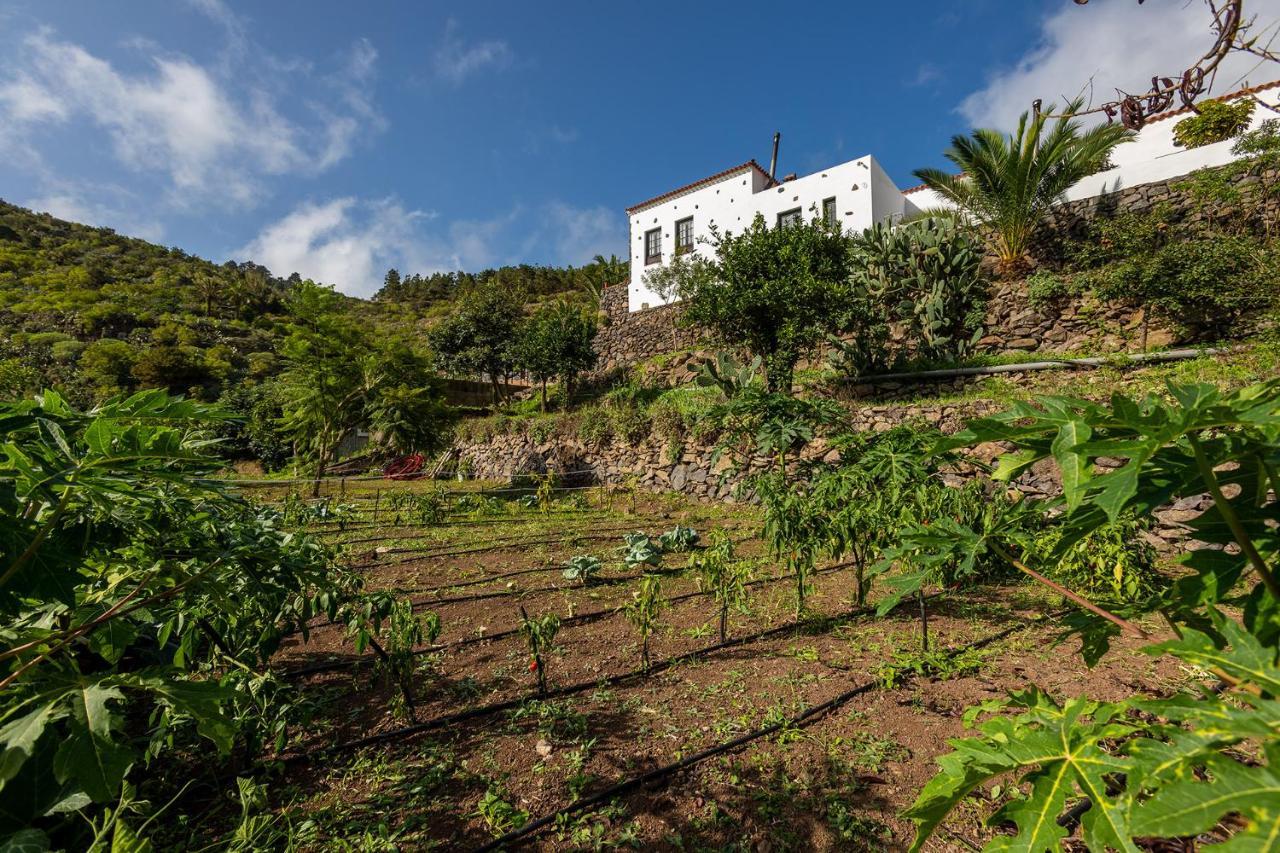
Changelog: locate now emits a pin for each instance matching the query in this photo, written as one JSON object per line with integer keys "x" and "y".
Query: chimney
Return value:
{"x": 773, "y": 164}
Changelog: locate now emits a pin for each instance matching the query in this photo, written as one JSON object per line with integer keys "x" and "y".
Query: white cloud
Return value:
{"x": 350, "y": 243}
{"x": 455, "y": 59}
{"x": 1092, "y": 50}
{"x": 579, "y": 234}
{"x": 180, "y": 121}
{"x": 344, "y": 242}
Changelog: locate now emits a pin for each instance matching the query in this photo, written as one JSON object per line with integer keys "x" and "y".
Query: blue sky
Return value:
{"x": 340, "y": 138}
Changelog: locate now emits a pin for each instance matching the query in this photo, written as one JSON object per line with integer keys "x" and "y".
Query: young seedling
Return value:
{"x": 540, "y": 634}
{"x": 583, "y": 567}
{"x": 724, "y": 576}
{"x": 642, "y": 612}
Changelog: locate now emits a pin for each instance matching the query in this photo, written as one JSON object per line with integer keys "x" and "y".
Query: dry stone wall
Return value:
{"x": 690, "y": 469}
{"x": 1013, "y": 323}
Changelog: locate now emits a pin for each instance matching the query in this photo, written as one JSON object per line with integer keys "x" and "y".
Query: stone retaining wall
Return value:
{"x": 1012, "y": 322}
{"x": 690, "y": 469}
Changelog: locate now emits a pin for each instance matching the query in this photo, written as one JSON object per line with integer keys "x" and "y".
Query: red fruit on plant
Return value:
{"x": 533, "y": 665}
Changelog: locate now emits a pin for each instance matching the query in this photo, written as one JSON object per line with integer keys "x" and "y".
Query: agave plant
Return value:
{"x": 1008, "y": 183}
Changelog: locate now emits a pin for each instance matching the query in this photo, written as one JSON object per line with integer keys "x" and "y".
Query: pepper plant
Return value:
{"x": 1148, "y": 768}
{"x": 724, "y": 576}
{"x": 540, "y": 634}
{"x": 642, "y": 612}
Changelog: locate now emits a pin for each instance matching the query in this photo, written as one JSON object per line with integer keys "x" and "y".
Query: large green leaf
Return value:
{"x": 19, "y": 737}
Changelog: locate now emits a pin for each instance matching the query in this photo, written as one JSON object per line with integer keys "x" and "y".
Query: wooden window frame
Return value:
{"x": 681, "y": 248}
{"x": 795, "y": 214}
{"x": 834, "y": 216}
{"x": 653, "y": 258}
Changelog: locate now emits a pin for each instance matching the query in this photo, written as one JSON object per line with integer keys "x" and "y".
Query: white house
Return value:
{"x": 859, "y": 193}
{"x": 1151, "y": 157}
{"x": 855, "y": 194}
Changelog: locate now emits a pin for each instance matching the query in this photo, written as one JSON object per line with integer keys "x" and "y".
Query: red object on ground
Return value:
{"x": 405, "y": 468}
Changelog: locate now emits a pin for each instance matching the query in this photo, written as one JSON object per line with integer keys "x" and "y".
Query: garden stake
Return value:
{"x": 924, "y": 622}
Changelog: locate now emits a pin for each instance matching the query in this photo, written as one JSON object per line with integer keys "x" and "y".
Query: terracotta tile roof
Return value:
{"x": 915, "y": 189}
{"x": 1230, "y": 96}
{"x": 718, "y": 176}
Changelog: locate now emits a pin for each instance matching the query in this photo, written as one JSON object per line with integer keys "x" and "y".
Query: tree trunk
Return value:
{"x": 544, "y": 396}
{"x": 320, "y": 465}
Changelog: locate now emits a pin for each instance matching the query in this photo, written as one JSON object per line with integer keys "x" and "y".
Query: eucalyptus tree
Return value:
{"x": 1007, "y": 183}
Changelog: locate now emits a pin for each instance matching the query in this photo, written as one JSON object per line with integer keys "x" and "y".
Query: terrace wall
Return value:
{"x": 1013, "y": 324}
{"x": 652, "y": 465}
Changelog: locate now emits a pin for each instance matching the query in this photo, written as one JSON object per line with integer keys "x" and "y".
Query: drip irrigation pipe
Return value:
{"x": 579, "y": 619}
{"x": 803, "y": 718}
{"x": 550, "y": 567}
{"x": 570, "y": 689}
{"x": 350, "y": 478}
{"x": 1121, "y": 360}
{"x": 496, "y": 545}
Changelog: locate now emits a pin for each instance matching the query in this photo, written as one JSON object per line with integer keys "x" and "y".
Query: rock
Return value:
{"x": 679, "y": 476}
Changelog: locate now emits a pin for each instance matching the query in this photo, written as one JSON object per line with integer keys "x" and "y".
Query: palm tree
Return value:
{"x": 1008, "y": 183}
{"x": 601, "y": 273}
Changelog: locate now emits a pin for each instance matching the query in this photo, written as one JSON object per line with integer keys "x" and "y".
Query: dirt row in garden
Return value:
{"x": 839, "y": 783}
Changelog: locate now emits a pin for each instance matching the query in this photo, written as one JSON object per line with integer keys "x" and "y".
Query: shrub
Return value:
{"x": 630, "y": 423}
{"x": 594, "y": 425}
{"x": 1112, "y": 562}
{"x": 1216, "y": 121}
{"x": 1044, "y": 288}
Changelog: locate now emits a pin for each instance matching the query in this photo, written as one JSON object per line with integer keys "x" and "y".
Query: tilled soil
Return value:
{"x": 838, "y": 783}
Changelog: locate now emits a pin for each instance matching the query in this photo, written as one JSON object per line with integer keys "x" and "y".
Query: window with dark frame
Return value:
{"x": 789, "y": 217}
{"x": 684, "y": 236}
{"x": 829, "y": 210}
{"x": 653, "y": 246}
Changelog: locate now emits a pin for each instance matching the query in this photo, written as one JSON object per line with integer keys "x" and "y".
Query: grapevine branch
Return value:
{"x": 1232, "y": 36}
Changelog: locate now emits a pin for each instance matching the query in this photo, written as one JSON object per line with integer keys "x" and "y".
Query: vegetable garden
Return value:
{"x": 192, "y": 663}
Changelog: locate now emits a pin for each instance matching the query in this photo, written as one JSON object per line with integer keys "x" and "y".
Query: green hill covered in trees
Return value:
{"x": 94, "y": 312}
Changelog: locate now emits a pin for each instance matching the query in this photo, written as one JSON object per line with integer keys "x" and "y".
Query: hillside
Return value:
{"x": 93, "y": 312}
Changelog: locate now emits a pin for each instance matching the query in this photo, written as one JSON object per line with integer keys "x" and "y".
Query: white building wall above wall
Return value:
{"x": 862, "y": 191}
{"x": 1151, "y": 157}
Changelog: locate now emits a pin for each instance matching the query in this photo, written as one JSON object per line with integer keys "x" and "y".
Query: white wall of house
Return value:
{"x": 1151, "y": 157}
{"x": 863, "y": 193}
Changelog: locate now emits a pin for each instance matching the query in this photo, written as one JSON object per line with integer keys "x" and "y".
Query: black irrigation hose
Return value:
{"x": 502, "y": 540}
{"x": 803, "y": 718}
{"x": 588, "y": 534}
{"x": 550, "y": 567}
{"x": 579, "y": 619}
{"x": 571, "y": 689}
{"x": 451, "y": 521}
